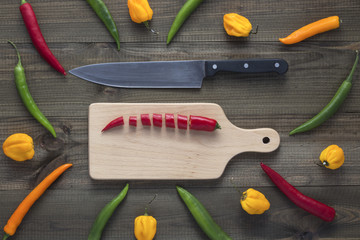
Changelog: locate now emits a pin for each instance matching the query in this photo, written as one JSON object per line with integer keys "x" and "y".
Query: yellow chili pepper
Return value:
{"x": 254, "y": 202}
{"x": 19, "y": 147}
{"x": 140, "y": 12}
{"x": 323, "y": 25}
{"x": 237, "y": 25}
{"x": 332, "y": 157}
{"x": 145, "y": 227}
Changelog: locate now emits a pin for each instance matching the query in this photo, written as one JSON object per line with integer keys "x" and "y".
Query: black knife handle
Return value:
{"x": 246, "y": 66}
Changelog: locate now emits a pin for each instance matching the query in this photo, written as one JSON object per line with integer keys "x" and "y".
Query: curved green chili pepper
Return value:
{"x": 182, "y": 15}
{"x": 331, "y": 108}
{"x": 23, "y": 90}
{"x": 104, "y": 14}
{"x": 202, "y": 216}
{"x": 105, "y": 214}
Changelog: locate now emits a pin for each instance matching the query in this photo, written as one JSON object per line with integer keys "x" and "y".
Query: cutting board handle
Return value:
{"x": 257, "y": 140}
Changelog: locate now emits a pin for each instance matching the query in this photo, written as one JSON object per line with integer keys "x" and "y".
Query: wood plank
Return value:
{"x": 69, "y": 214}
{"x": 275, "y": 19}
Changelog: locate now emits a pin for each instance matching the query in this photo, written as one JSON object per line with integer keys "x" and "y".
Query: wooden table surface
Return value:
{"x": 76, "y": 36}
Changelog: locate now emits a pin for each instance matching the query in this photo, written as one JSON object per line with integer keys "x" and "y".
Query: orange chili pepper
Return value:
{"x": 323, "y": 25}
{"x": 34, "y": 195}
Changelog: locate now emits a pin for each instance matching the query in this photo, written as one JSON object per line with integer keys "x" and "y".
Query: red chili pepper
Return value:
{"x": 133, "y": 121}
{"x": 313, "y": 206}
{"x": 157, "y": 120}
{"x": 203, "y": 123}
{"x": 182, "y": 121}
{"x": 170, "y": 120}
{"x": 114, "y": 123}
{"x": 145, "y": 119}
{"x": 36, "y": 36}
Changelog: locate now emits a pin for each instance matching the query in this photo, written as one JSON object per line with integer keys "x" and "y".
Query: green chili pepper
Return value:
{"x": 331, "y": 108}
{"x": 23, "y": 90}
{"x": 182, "y": 15}
{"x": 104, "y": 14}
{"x": 105, "y": 214}
{"x": 202, "y": 216}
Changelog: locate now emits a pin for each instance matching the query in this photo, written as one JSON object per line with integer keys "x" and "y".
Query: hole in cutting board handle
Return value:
{"x": 266, "y": 140}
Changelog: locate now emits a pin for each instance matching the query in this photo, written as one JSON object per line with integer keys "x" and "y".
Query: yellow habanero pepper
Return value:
{"x": 145, "y": 227}
{"x": 332, "y": 157}
{"x": 19, "y": 147}
{"x": 236, "y": 25}
{"x": 140, "y": 12}
{"x": 254, "y": 202}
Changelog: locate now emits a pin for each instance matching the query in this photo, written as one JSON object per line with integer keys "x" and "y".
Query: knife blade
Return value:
{"x": 171, "y": 74}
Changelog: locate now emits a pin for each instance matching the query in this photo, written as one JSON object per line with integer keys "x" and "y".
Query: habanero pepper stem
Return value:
{"x": 202, "y": 216}
{"x": 23, "y": 90}
{"x": 105, "y": 214}
{"x": 104, "y": 14}
{"x": 331, "y": 108}
{"x": 310, "y": 205}
{"x": 180, "y": 18}
{"x": 36, "y": 36}
{"x": 27, "y": 203}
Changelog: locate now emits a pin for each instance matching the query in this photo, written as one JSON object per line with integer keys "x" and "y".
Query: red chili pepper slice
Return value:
{"x": 36, "y": 36}
{"x": 145, "y": 119}
{"x": 114, "y": 123}
{"x": 203, "y": 123}
{"x": 157, "y": 120}
{"x": 182, "y": 121}
{"x": 133, "y": 121}
{"x": 311, "y": 205}
{"x": 170, "y": 120}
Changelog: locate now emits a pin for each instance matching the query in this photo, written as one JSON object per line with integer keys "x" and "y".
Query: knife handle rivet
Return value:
{"x": 277, "y": 65}
{"x": 246, "y": 65}
{"x": 214, "y": 66}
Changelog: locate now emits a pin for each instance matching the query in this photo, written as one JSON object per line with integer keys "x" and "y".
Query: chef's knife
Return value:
{"x": 171, "y": 74}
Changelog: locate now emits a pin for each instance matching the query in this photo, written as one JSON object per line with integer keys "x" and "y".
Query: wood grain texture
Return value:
{"x": 317, "y": 66}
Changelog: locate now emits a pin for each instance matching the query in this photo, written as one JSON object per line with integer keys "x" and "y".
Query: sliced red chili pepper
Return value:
{"x": 36, "y": 36}
{"x": 133, "y": 121}
{"x": 157, "y": 120}
{"x": 313, "y": 206}
{"x": 203, "y": 123}
{"x": 145, "y": 119}
{"x": 182, "y": 121}
{"x": 114, "y": 123}
{"x": 170, "y": 120}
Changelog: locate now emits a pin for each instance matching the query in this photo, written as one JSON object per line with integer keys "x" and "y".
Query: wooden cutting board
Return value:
{"x": 148, "y": 152}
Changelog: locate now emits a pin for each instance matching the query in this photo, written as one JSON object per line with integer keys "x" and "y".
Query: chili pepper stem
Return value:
{"x": 17, "y": 51}
{"x": 147, "y": 25}
{"x": 23, "y": 2}
{"x": 6, "y": 236}
{"x": 349, "y": 78}
{"x": 217, "y": 126}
